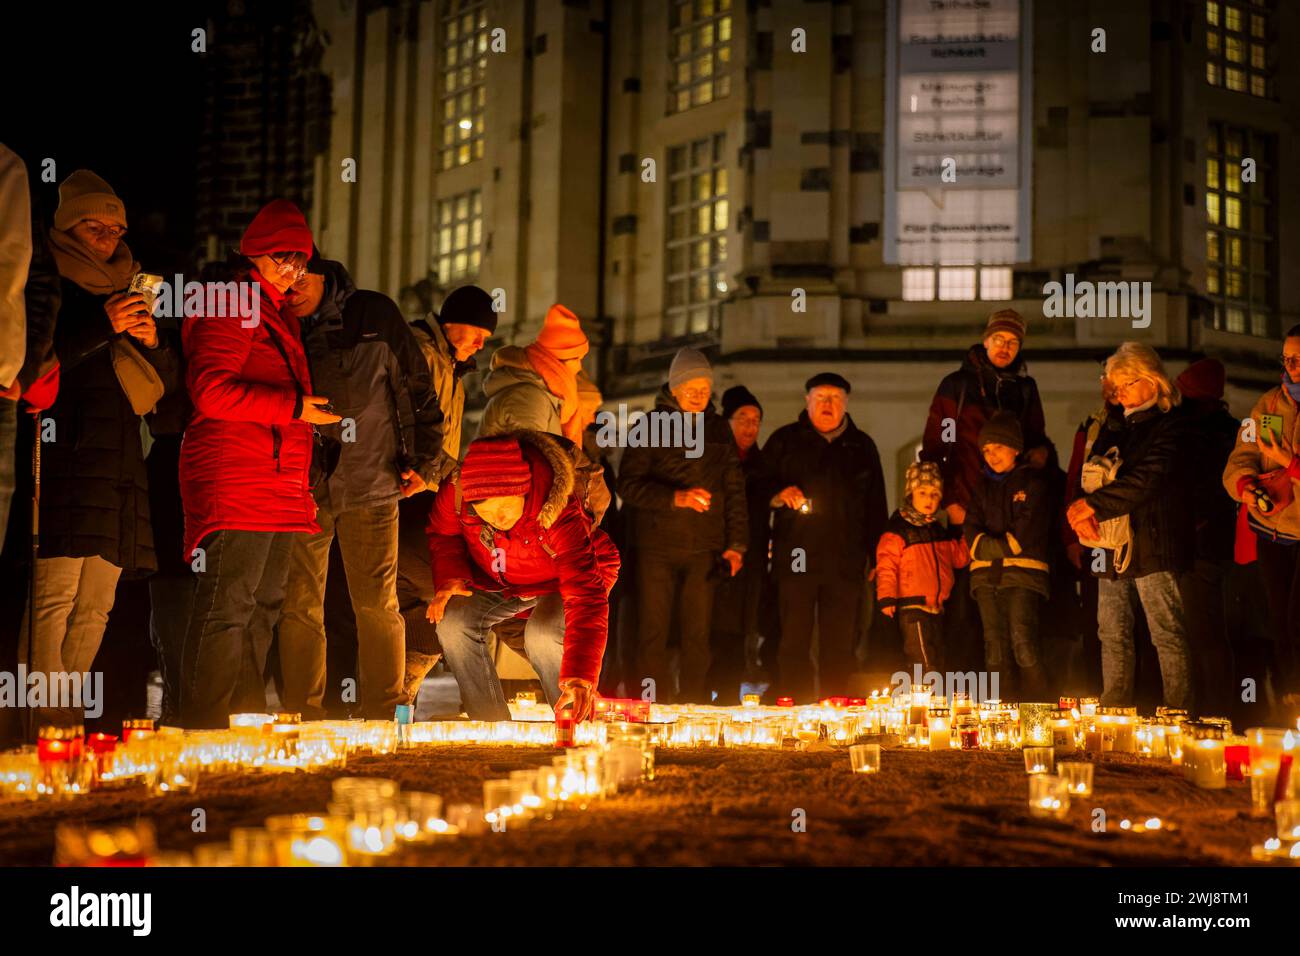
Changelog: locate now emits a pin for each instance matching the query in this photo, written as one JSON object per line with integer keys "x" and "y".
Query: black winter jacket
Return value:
{"x": 1212, "y": 434}
{"x": 364, "y": 357}
{"x": 1008, "y": 530}
{"x": 1152, "y": 488}
{"x": 844, "y": 481}
{"x": 649, "y": 477}
{"x": 94, "y": 484}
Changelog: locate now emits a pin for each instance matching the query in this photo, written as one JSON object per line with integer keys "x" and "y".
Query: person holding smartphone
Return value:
{"x": 94, "y": 513}
{"x": 245, "y": 470}
{"x": 1262, "y": 473}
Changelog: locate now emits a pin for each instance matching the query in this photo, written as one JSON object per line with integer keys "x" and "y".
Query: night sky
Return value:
{"x": 115, "y": 89}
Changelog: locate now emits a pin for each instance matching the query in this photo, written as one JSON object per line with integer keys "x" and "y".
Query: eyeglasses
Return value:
{"x": 103, "y": 230}
{"x": 290, "y": 264}
{"x": 1290, "y": 362}
{"x": 1004, "y": 342}
{"x": 695, "y": 394}
{"x": 1127, "y": 385}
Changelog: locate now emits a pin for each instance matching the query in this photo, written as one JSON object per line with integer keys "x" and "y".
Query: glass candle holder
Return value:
{"x": 1063, "y": 739}
{"x": 939, "y": 727}
{"x": 59, "y": 752}
{"x": 138, "y": 728}
{"x": 1036, "y": 725}
{"x": 132, "y": 844}
{"x": 252, "y": 846}
{"x": 996, "y": 732}
{"x": 1038, "y": 760}
{"x": 354, "y": 791}
{"x": 1077, "y": 775}
{"x": 920, "y": 705}
{"x": 968, "y": 731}
{"x": 1048, "y": 796}
{"x": 961, "y": 704}
{"x": 1174, "y": 743}
{"x": 865, "y": 758}
{"x": 1122, "y": 725}
{"x": 1236, "y": 757}
{"x": 1203, "y": 760}
{"x": 1088, "y": 706}
{"x": 1288, "y": 821}
{"x": 307, "y": 839}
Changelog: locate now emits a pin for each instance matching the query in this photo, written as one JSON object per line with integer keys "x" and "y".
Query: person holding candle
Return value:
{"x": 1007, "y": 529}
{"x": 245, "y": 469}
{"x": 916, "y": 562}
{"x": 1263, "y": 473}
{"x": 1150, "y": 486}
{"x": 509, "y": 535}
{"x": 94, "y": 513}
{"x": 827, "y": 491}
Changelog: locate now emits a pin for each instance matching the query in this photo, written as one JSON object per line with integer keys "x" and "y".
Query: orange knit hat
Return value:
{"x": 562, "y": 334}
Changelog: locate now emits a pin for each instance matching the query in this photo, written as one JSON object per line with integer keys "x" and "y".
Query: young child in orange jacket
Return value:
{"x": 915, "y": 561}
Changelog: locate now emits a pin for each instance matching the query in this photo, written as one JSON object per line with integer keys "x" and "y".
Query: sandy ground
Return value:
{"x": 733, "y": 807}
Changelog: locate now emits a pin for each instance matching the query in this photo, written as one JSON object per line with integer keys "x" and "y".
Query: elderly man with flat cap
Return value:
{"x": 828, "y": 493}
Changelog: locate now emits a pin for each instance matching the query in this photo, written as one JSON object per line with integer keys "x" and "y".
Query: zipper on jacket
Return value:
{"x": 275, "y": 445}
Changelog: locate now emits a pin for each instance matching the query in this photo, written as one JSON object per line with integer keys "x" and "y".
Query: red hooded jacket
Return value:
{"x": 245, "y": 460}
{"x": 552, "y": 548}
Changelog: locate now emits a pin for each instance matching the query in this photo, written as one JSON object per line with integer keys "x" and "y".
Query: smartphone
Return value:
{"x": 1271, "y": 423}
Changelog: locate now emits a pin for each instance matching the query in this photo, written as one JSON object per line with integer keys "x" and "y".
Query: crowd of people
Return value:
{"x": 225, "y": 456}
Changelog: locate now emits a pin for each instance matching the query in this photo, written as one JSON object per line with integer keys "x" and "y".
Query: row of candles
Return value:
{"x": 370, "y": 821}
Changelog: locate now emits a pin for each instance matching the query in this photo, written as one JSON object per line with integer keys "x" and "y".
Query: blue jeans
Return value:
{"x": 1162, "y": 603}
{"x": 463, "y": 632}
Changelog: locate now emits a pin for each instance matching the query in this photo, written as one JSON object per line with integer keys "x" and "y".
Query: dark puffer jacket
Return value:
{"x": 1152, "y": 488}
{"x": 94, "y": 484}
{"x": 969, "y": 396}
{"x": 364, "y": 356}
{"x": 1008, "y": 530}
{"x": 649, "y": 477}
{"x": 844, "y": 481}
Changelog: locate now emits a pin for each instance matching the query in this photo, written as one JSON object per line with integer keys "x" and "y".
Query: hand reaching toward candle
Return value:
{"x": 578, "y": 697}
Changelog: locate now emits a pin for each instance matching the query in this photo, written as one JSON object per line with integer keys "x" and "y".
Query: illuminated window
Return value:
{"x": 1240, "y": 241}
{"x": 462, "y": 92}
{"x": 957, "y": 284}
{"x": 460, "y": 236}
{"x": 700, "y": 50}
{"x": 1237, "y": 46}
{"x": 695, "y": 272}
{"x": 995, "y": 283}
{"x": 918, "y": 285}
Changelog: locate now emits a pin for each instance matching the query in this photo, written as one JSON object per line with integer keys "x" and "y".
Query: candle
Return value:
{"x": 1035, "y": 725}
{"x": 920, "y": 705}
{"x": 1288, "y": 821}
{"x": 940, "y": 727}
{"x": 1203, "y": 761}
{"x": 1123, "y": 724}
{"x": 1038, "y": 760}
{"x": 1063, "y": 741}
{"x": 785, "y": 702}
{"x": 1048, "y": 797}
{"x": 1088, "y": 706}
{"x": 968, "y": 732}
{"x": 1077, "y": 775}
{"x": 865, "y": 758}
{"x": 1236, "y": 758}
{"x": 139, "y": 728}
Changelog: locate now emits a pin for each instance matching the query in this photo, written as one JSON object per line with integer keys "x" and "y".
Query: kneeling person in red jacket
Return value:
{"x": 510, "y": 536}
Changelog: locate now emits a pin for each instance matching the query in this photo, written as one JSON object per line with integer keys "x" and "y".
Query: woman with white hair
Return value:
{"x": 1147, "y": 489}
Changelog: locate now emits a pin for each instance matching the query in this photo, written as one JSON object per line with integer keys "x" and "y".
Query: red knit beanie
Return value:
{"x": 494, "y": 467}
{"x": 278, "y": 227}
{"x": 1203, "y": 379}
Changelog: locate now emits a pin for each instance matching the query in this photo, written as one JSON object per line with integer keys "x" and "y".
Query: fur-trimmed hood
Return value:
{"x": 561, "y": 485}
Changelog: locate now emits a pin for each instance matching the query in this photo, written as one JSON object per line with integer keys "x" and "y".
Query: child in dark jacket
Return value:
{"x": 1007, "y": 529}
{"x": 915, "y": 561}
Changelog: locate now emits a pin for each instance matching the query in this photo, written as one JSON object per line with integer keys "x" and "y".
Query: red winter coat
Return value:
{"x": 552, "y": 548}
{"x": 915, "y": 565}
{"x": 245, "y": 459}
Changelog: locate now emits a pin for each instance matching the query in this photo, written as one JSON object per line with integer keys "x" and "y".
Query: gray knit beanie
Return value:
{"x": 688, "y": 364}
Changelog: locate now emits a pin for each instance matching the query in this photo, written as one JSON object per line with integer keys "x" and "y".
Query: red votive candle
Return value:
{"x": 785, "y": 702}
{"x": 1235, "y": 757}
{"x": 563, "y": 731}
{"x": 58, "y": 744}
{"x": 141, "y": 727}
{"x": 1283, "y": 784}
